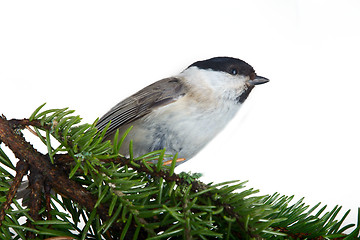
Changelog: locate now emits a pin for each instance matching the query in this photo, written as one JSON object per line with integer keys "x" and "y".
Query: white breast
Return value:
{"x": 187, "y": 126}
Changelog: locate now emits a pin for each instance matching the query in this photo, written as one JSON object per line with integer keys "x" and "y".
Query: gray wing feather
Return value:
{"x": 158, "y": 94}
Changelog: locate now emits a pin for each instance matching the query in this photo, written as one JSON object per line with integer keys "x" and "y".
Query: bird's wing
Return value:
{"x": 158, "y": 94}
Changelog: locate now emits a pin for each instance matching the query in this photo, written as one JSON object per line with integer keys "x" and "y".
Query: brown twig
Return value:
{"x": 21, "y": 169}
{"x": 140, "y": 167}
{"x": 36, "y": 182}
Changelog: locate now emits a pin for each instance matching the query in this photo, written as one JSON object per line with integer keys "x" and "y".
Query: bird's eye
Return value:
{"x": 234, "y": 71}
{"x": 252, "y": 76}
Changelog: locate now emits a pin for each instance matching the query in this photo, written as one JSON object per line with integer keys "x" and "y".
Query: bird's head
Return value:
{"x": 225, "y": 77}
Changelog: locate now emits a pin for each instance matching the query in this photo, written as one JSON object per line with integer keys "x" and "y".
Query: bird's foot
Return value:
{"x": 170, "y": 161}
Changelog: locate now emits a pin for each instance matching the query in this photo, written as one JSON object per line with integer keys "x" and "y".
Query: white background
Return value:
{"x": 298, "y": 134}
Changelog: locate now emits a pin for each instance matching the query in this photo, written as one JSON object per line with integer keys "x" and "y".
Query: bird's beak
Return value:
{"x": 258, "y": 80}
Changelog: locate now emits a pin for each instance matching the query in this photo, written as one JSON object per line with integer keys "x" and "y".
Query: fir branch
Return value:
{"x": 155, "y": 171}
{"x": 136, "y": 199}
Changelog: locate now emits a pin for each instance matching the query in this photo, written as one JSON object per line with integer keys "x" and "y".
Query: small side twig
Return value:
{"x": 36, "y": 183}
{"x": 21, "y": 169}
{"x": 24, "y": 123}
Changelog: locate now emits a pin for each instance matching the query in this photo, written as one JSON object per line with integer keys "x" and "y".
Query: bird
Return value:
{"x": 182, "y": 113}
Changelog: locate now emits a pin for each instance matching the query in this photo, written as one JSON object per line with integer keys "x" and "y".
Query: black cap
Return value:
{"x": 229, "y": 65}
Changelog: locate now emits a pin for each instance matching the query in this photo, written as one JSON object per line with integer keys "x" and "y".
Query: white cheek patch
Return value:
{"x": 218, "y": 85}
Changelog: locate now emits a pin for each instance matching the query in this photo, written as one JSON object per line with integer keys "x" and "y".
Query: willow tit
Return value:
{"x": 184, "y": 112}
